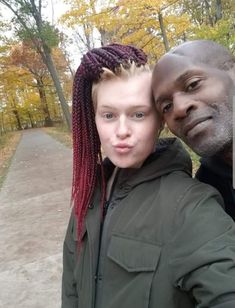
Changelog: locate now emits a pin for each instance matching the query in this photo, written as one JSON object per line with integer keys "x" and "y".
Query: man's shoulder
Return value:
{"x": 212, "y": 167}
{"x": 220, "y": 177}
{"x": 216, "y": 173}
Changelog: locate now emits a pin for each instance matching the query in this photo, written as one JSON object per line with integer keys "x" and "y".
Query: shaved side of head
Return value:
{"x": 208, "y": 52}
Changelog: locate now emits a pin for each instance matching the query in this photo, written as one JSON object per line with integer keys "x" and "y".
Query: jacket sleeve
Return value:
{"x": 202, "y": 257}
{"x": 69, "y": 291}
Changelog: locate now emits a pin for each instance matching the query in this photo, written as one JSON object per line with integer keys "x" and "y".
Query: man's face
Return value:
{"x": 127, "y": 120}
{"x": 195, "y": 101}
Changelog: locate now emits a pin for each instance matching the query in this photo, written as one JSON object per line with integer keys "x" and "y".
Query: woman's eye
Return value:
{"x": 139, "y": 115}
{"x": 108, "y": 115}
{"x": 193, "y": 85}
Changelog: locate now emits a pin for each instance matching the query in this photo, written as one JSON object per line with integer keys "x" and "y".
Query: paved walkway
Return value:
{"x": 34, "y": 211}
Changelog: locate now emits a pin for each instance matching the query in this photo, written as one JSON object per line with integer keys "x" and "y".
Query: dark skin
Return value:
{"x": 195, "y": 99}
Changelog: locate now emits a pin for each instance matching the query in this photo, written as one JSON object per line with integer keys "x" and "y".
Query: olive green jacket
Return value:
{"x": 169, "y": 244}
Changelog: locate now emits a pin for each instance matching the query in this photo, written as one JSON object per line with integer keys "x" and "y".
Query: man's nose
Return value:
{"x": 183, "y": 105}
{"x": 123, "y": 128}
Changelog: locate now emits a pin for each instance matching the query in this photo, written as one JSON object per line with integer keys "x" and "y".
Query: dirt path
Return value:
{"x": 34, "y": 211}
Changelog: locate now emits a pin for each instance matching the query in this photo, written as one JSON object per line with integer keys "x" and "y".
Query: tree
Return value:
{"x": 23, "y": 55}
{"x": 151, "y": 25}
{"x": 31, "y": 26}
{"x": 84, "y": 17}
{"x": 154, "y": 26}
{"x": 212, "y": 19}
{"x": 19, "y": 97}
{"x": 10, "y": 94}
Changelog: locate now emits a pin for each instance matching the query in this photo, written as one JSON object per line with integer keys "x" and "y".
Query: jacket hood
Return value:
{"x": 168, "y": 157}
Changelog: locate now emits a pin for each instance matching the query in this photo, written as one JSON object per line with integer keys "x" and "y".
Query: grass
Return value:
{"x": 61, "y": 134}
{"x": 195, "y": 158}
{"x": 8, "y": 145}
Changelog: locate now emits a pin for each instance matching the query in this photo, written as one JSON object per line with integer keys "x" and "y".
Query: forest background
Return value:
{"x": 39, "y": 54}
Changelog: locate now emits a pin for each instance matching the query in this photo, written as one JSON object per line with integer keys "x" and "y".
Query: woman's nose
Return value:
{"x": 123, "y": 128}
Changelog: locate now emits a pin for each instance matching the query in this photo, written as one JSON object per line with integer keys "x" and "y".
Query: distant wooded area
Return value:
{"x": 37, "y": 67}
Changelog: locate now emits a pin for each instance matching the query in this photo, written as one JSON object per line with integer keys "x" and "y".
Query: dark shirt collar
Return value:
{"x": 217, "y": 166}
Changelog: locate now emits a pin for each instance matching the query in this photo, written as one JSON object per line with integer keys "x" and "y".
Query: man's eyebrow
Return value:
{"x": 186, "y": 75}
{"x": 178, "y": 81}
{"x": 160, "y": 99}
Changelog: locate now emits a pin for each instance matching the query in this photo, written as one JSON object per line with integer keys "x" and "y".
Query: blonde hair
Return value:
{"x": 124, "y": 71}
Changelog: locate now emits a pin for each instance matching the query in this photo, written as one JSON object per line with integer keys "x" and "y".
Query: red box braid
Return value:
{"x": 87, "y": 156}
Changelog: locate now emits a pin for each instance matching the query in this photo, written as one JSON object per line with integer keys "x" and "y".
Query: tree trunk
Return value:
{"x": 106, "y": 37}
{"x": 16, "y": 114}
{"x": 57, "y": 112}
{"x": 42, "y": 94}
{"x": 208, "y": 13}
{"x": 2, "y": 124}
{"x": 31, "y": 120}
{"x": 54, "y": 75}
{"x": 87, "y": 37}
{"x": 163, "y": 30}
{"x": 12, "y": 125}
{"x": 218, "y": 10}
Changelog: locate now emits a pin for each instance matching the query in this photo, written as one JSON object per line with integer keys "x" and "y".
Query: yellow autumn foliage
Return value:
{"x": 132, "y": 22}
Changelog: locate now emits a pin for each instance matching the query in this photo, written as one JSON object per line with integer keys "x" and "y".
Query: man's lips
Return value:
{"x": 192, "y": 124}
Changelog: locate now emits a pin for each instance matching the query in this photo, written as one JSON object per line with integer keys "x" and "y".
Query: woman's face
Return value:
{"x": 126, "y": 120}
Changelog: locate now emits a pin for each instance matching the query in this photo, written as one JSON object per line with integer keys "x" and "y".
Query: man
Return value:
{"x": 194, "y": 89}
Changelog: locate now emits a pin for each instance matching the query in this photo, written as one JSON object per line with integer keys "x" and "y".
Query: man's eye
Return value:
{"x": 166, "y": 107}
{"x": 192, "y": 85}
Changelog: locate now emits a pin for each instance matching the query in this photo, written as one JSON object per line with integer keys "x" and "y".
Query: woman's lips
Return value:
{"x": 123, "y": 148}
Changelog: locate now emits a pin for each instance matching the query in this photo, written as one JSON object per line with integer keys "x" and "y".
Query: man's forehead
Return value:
{"x": 206, "y": 52}
{"x": 193, "y": 49}
{"x": 170, "y": 66}
{"x": 170, "y": 60}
